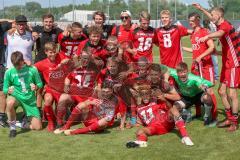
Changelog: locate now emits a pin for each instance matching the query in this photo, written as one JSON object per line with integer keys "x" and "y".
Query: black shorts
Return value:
{"x": 187, "y": 102}
{"x": 2, "y": 71}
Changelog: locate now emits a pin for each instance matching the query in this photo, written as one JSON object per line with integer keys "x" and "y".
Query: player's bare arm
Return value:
{"x": 210, "y": 50}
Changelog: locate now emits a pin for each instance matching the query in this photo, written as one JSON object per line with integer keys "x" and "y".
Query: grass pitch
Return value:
{"x": 210, "y": 143}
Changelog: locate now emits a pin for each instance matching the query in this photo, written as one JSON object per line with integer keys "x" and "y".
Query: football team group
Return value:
{"x": 103, "y": 75}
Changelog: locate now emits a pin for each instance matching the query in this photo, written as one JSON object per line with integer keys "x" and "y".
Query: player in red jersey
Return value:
{"x": 230, "y": 75}
{"x": 69, "y": 44}
{"x": 44, "y": 67}
{"x": 78, "y": 86}
{"x": 122, "y": 32}
{"x": 99, "y": 112}
{"x": 169, "y": 40}
{"x": 95, "y": 45}
{"x": 202, "y": 62}
{"x": 143, "y": 38}
{"x": 157, "y": 119}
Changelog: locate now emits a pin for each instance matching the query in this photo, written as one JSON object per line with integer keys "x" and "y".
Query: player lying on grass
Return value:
{"x": 20, "y": 84}
{"x": 98, "y": 113}
{"x": 47, "y": 67}
{"x": 78, "y": 86}
{"x": 157, "y": 118}
{"x": 193, "y": 90}
{"x": 202, "y": 64}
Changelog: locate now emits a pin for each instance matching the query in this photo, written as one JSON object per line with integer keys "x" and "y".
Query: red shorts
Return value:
{"x": 157, "y": 128}
{"x": 204, "y": 72}
{"x": 230, "y": 77}
{"x": 56, "y": 95}
{"x": 78, "y": 99}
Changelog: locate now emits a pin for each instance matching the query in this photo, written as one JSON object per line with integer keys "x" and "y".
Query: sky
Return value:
{"x": 45, "y": 3}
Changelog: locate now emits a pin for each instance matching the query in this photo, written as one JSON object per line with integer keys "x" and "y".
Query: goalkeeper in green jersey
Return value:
{"x": 193, "y": 90}
{"x": 20, "y": 84}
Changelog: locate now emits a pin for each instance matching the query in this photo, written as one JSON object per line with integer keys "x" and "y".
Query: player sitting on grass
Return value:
{"x": 156, "y": 118}
{"x": 193, "y": 90}
{"x": 20, "y": 84}
{"x": 46, "y": 67}
{"x": 99, "y": 112}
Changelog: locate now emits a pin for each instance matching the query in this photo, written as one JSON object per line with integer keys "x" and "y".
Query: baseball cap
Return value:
{"x": 21, "y": 18}
{"x": 126, "y": 11}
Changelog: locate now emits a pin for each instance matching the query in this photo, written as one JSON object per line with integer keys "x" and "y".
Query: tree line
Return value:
{"x": 34, "y": 10}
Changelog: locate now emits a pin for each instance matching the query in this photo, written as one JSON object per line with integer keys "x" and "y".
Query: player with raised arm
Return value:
{"x": 20, "y": 84}
{"x": 156, "y": 118}
{"x": 69, "y": 43}
{"x": 169, "y": 40}
{"x": 230, "y": 74}
{"x": 201, "y": 53}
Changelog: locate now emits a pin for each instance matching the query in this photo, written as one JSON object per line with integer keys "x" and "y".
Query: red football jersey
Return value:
{"x": 45, "y": 66}
{"x": 83, "y": 81}
{"x": 121, "y": 33}
{"x": 97, "y": 51}
{"x": 169, "y": 41}
{"x": 230, "y": 45}
{"x": 154, "y": 113}
{"x": 69, "y": 46}
{"x": 199, "y": 48}
{"x": 105, "y": 75}
{"x": 143, "y": 41}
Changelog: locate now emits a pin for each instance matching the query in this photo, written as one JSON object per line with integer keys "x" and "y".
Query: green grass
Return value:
{"x": 210, "y": 143}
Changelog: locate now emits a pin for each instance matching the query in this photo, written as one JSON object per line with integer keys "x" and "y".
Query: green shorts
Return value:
{"x": 29, "y": 107}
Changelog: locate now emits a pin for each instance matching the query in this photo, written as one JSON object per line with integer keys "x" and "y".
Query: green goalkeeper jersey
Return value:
{"x": 20, "y": 80}
{"x": 191, "y": 87}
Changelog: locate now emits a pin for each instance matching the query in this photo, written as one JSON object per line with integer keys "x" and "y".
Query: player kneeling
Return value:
{"x": 20, "y": 83}
{"x": 98, "y": 113}
{"x": 157, "y": 119}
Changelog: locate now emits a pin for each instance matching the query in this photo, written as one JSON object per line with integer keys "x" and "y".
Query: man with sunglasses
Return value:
{"x": 122, "y": 32}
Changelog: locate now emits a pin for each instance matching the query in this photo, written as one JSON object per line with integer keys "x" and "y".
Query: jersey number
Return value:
{"x": 167, "y": 42}
{"x": 147, "y": 115}
{"x": 144, "y": 44}
{"x": 84, "y": 81}
{"x": 23, "y": 85}
{"x": 71, "y": 50}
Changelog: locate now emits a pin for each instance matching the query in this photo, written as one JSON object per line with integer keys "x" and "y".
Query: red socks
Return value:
{"x": 92, "y": 128}
{"x": 49, "y": 114}
{"x": 181, "y": 127}
{"x": 142, "y": 137}
{"x": 75, "y": 114}
{"x": 214, "y": 107}
{"x": 61, "y": 112}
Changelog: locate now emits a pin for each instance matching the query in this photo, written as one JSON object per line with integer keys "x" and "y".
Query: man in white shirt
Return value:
{"x": 21, "y": 40}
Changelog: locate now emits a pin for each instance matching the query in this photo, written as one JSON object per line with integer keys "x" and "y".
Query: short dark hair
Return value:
{"x": 182, "y": 66}
{"x": 194, "y": 14}
{"x": 107, "y": 84}
{"x": 48, "y": 15}
{"x": 16, "y": 58}
{"x": 156, "y": 67}
{"x": 76, "y": 25}
{"x": 95, "y": 30}
{"x": 99, "y": 13}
